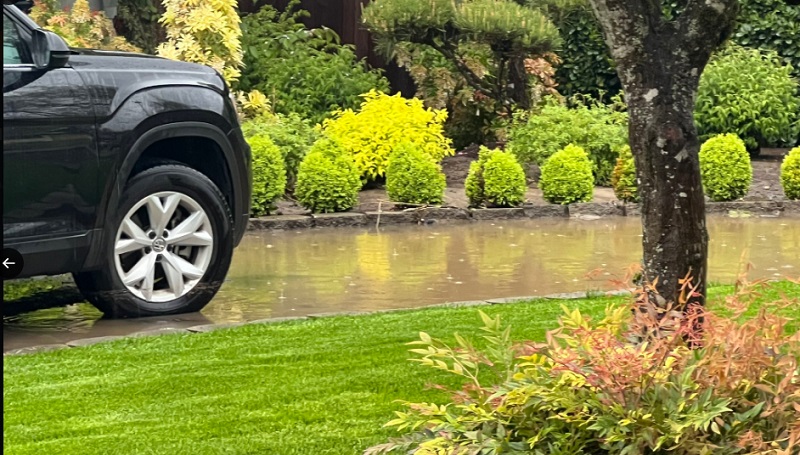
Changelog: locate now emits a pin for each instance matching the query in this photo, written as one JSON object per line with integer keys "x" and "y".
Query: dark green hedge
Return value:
{"x": 588, "y": 68}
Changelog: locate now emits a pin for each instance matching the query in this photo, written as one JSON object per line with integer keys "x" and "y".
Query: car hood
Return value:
{"x": 112, "y": 76}
{"x": 98, "y": 60}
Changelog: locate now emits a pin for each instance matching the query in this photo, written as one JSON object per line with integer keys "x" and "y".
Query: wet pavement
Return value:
{"x": 287, "y": 273}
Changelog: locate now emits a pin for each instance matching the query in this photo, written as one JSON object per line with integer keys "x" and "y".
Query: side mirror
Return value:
{"x": 48, "y": 50}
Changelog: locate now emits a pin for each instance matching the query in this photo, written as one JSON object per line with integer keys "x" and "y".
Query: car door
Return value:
{"x": 50, "y": 181}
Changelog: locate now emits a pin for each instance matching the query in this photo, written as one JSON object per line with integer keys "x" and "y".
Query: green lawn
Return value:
{"x": 323, "y": 386}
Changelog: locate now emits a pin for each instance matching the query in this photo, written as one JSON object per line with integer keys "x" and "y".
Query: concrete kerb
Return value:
{"x": 35, "y": 349}
{"x": 344, "y": 219}
{"x": 206, "y": 328}
{"x": 426, "y": 215}
{"x": 333, "y": 314}
{"x": 212, "y": 327}
{"x": 464, "y": 304}
{"x": 278, "y": 320}
{"x": 158, "y": 332}
{"x": 280, "y": 222}
{"x": 91, "y": 341}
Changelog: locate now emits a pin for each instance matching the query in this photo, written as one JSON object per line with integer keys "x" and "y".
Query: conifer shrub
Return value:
{"x": 725, "y": 168}
{"x": 495, "y": 179}
{"x": 382, "y": 123}
{"x": 269, "y": 174}
{"x": 567, "y": 177}
{"x": 413, "y": 177}
{"x": 623, "y": 178}
{"x": 328, "y": 179}
{"x": 790, "y": 174}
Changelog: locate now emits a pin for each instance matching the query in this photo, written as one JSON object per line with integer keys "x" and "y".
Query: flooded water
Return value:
{"x": 277, "y": 274}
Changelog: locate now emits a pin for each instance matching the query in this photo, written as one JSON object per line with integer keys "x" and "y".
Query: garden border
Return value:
{"x": 429, "y": 215}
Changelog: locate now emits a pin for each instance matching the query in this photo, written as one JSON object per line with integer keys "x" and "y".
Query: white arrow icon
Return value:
{"x": 6, "y": 263}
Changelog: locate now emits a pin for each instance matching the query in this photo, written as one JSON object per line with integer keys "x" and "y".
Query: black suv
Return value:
{"x": 128, "y": 171}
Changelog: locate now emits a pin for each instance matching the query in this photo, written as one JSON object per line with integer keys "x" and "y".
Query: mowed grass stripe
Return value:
{"x": 322, "y": 386}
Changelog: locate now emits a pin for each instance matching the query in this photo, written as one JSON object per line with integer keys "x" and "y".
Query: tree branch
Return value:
{"x": 703, "y": 22}
{"x": 472, "y": 79}
{"x": 653, "y": 13}
{"x": 624, "y": 26}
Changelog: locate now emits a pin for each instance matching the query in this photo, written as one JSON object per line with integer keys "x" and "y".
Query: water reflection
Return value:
{"x": 289, "y": 273}
{"x": 278, "y": 274}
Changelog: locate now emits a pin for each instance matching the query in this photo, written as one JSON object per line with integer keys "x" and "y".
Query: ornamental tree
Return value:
{"x": 660, "y": 54}
{"x": 511, "y": 31}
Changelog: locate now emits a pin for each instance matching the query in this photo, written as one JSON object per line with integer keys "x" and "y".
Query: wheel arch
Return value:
{"x": 215, "y": 157}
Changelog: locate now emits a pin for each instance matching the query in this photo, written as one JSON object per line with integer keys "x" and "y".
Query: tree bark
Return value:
{"x": 519, "y": 83}
{"x": 659, "y": 63}
{"x": 664, "y": 140}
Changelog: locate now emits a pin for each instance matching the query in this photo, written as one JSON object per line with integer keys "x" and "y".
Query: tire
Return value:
{"x": 179, "y": 271}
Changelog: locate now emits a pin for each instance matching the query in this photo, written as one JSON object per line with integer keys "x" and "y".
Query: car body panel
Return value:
{"x": 89, "y": 123}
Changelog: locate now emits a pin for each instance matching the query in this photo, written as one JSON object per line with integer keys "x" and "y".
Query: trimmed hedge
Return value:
{"x": 750, "y": 93}
{"x": 567, "y": 177}
{"x": 496, "y": 179}
{"x": 413, "y": 177}
{"x": 725, "y": 168}
{"x": 381, "y": 124}
{"x": 623, "y": 179}
{"x": 599, "y": 129}
{"x": 293, "y": 135}
{"x": 269, "y": 174}
{"x": 790, "y": 174}
{"x": 328, "y": 179}
{"x": 771, "y": 25}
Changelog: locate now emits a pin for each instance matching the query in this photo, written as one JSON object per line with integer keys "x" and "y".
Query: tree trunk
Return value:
{"x": 519, "y": 84}
{"x": 675, "y": 241}
{"x": 659, "y": 62}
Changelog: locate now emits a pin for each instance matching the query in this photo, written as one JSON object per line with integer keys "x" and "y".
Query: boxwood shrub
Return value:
{"x": 413, "y": 177}
{"x": 495, "y": 179}
{"x": 328, "y": 179}
{"x": 725, "y": 168}
{"x": 790, "y": 174}
{"x": 623, "y": 179}
{"x": 567, "y": 177}
{"x": 269, "y": 174}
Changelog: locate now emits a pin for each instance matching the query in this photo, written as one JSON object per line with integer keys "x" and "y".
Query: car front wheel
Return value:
{"x": 168, "y": 248}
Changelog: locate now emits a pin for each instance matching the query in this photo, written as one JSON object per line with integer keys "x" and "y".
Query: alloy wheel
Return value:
{"x": 163, "y": 246}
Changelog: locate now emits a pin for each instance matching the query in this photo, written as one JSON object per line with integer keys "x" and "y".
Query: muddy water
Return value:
{"x": 278, "y": 274}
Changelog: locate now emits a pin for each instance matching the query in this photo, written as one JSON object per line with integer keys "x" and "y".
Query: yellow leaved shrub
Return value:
{"x": 383, "y": 123}
{"x": 205, "y": 32}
